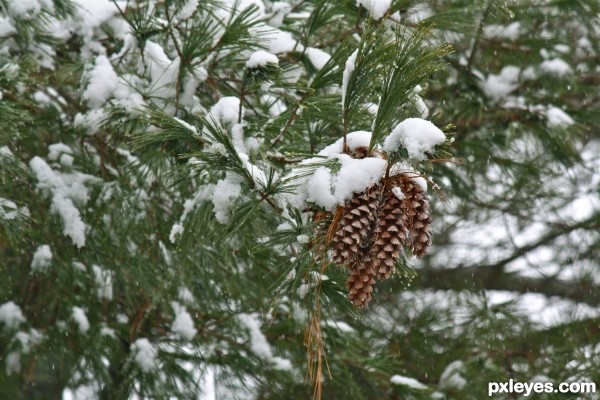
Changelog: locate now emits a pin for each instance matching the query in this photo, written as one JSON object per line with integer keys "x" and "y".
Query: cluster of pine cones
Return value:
{"x": 374, "y": 227}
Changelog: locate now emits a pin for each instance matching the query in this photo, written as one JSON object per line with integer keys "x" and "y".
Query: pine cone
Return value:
{"x": 360, "y": 283}
{"x": 356, "y": 225}
{"x": 390, "y": 235}
{"x": 419, "y": 215}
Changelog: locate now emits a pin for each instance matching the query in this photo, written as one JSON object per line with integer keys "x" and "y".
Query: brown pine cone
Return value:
{"x": 360, "y": 283}
{"x": 356, "y": 225}
{"x": 390, "y": 235}
{"x": 419, "y": 217}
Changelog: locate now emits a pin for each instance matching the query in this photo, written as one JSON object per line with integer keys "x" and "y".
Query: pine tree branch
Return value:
{"x": 478, "y": 34}
{"x": 477, "y": 278}
{"x": 494, "y": 277}
{"x": 293, "y": 117}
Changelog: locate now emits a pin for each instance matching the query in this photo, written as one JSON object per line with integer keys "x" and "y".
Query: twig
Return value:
{"x": 290, "y": 120}
{"x": 478, "y": 33}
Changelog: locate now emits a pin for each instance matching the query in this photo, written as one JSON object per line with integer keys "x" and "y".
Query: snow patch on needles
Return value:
{"x": 317, "y": 57}
{"x": 355, "y": 175}
{"x": 377, "y": 8}
{"x": 416, "y": 135}
{"x": 204, "y": 193}
{"x": 407, "y": 381}
{"x": 103, "y": 280}
{"x": 510, "y": 32}
{"x": 451, "y": 377}
{"x": 557, "y": 67}
{"x": 183, "y": 324}
{"x": 8, "y": 209}
{"x": 328, "y": 188}
{"x": 27, "y": 341}
{"x": 498, "y": 86}
{"x": 64, "y": 188}
{"x": 319, "y": 189}
{"x": 103, "y": 82}
{"x": 11, "y": 315}
{"x": 225, "y": 193}
{"x": 259, "y": 344}
{"x": 261, "y": 58}
{"x": 144, "y": 354}
{"x": 187, "y": 10}
{"x": 42, "y": 259}
{"x": 557, "y": 118}
{"x": 350, "y": 66}
{"x": 80, "y": 319}
{"x": 226, "y": 110}
{"x": 354, "y": 140}
{"x": 278, "y": 41}
{"x": 164, "y": 74}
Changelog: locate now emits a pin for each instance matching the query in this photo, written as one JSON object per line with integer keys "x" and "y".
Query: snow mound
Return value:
{"x": 261, "y": 58}
{"x": 416, "y": 135}
{"x": 377, "y": 8}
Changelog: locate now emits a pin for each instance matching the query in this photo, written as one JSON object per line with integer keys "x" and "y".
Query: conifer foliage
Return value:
{"x": 259, "y": 199}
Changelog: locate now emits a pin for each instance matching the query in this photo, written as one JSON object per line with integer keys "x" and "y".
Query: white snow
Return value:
{"x": 355, "y": 175}
{"x": 451, "y": 377}
{"x": 27, "y": 341}
{"x": 416, "y": 135}
{"x": 80, "y": 319}
{"x": 91, "y": 121}
{"x": 407, "y": 381}
{"x": 557, "y": 67}
{"x": 226, "y": 191}
{"x": 319, "y": 189}
{"x": 13, "y": 363}
{"x": 557, "y": 118}
{"x": 42, "y": 258}
{"x": 259, "y": 344}
{"x": 420, "y": 181}
{"x": 6, "y": 29}
{"x": 498, "y": 86}
{"x": 303, "y": 239}
{"x": 317, "y": 57}
{"x": 420, "y": 106}
{"x": 226, "y": 110}
{"x": 186, "y": 296}
{"x": 203, "y": 193}
{"x": 341, "y": 326}
{"x": 350, "y": 65}
{"x": 183, "y": 325}
{"x": 354, "y": 140}
{"x": 163, "y": 74}
{"x": 62, "y": 194}
{"x": 510, "y": 32}
{"x": 327, "y": 188}
{"x": 187, "y": 9}
{"x": 8, "y": 209}
{"x": 94, "y": 13}
{"x": 261, "y": 58}
{"x": 278, "y": 41}
{"x": 24, "y": 9}
{"x": 11, "y": 315}
{"x": 144, "y": 354}
{"x": 279, "y": 10}
{"x": 103, "y": 280}
{"x": 377, "y": 8}
{"x": 398, "y": 193}
{"x": 258, "y": 176}
{"x": 56, "y": 149}
{"x": 102, "y": 82}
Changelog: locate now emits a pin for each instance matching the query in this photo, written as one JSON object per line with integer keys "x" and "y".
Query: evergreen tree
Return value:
{"x": 291, "y": 199}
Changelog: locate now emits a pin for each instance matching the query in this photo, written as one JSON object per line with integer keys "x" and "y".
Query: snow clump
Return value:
{"x": 416, "y": 135}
